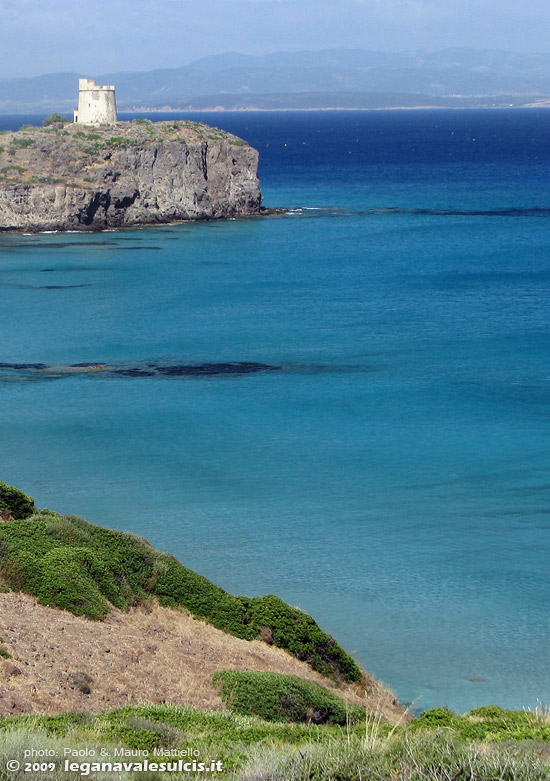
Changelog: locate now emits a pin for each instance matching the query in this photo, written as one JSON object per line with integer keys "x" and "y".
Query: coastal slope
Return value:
{"x": 82, "y": 603}
{"x": 75, "y": 177}
{"x": 59, "y": 662}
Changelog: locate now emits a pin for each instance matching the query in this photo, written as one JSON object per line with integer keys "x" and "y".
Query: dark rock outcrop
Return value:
{"x": 136, "y": 173}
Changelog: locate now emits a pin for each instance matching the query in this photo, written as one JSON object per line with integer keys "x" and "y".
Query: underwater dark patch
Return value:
{"x": 150, "y": 370}
{"x": 505, "y": 212}
{"x": 209, "y": 369}
{"x": 57, "y": 287}
{"x": 120, "y": 249}
{"x": 23, "y": 366}
{"x": 134, "y": 372}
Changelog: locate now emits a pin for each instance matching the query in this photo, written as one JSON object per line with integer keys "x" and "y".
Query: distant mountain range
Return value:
{"x": 336, "y": 78}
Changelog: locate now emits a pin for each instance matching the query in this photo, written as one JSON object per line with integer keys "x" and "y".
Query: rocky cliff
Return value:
{"x": 75, "y": 177}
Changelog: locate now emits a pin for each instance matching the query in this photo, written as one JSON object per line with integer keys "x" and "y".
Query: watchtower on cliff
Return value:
{"x": 96, "y": 105}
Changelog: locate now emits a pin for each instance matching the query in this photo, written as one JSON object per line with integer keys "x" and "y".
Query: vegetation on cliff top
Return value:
{"x": 54, "y": 119}
{"x": 74, "y": 565}
{"x": 26, "y": 159}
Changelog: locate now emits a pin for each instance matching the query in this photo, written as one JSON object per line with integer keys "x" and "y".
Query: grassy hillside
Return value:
{"x": 255, "y": 750}
{"x": 74, "y": 565}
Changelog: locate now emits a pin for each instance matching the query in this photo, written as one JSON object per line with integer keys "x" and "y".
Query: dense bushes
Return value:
{"x": 276, "y": 697}
{"x": 298, "y": 633}
{"x": 54, "y": 119}
{"x": 14, "y": 503}
{"x": 71, "y": 564}
{"x": 175, "y": 585}
{"x": 487, "y": 723}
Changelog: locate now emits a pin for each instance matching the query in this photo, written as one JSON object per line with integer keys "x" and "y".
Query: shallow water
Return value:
{"x": 392, "y": 476}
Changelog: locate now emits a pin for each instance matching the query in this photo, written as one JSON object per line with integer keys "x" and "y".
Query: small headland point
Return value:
{"x": 97, "y": 173}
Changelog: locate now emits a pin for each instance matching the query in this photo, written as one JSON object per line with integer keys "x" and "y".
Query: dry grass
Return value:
{"x": 151, "y": 654}
{"x": 541, "y": 711}
{"x": 419, "y": 757}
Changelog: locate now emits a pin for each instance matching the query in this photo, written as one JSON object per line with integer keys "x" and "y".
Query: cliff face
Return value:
{"x": 136, "y": 173}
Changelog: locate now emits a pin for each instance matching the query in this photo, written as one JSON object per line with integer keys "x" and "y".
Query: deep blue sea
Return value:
{"x": 392, "y": 476}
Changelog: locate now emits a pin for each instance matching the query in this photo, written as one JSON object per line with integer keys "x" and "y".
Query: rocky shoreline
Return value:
{"x": 76, "y": 177}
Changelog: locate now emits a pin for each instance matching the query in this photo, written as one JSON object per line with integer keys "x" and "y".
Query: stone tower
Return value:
{"x": 96, "y": 105}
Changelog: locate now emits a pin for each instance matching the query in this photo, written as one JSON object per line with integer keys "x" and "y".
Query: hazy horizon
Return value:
{"x": 233, "y": 53}
{"x": 94, "y": 37}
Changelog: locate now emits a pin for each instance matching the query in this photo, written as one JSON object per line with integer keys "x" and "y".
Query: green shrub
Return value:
{"x": 121, "y": 141}
{"x": 276, "y": 697}
{"x": 298, "y": 633}
{"x": 143, "y": 734}
{"x": 178, "y": 586}
{"x": 14, "y": 502}
{"x": 489, "y": 712}
{"x": 45, "y": 180}
{"x": 54, "y": 119}
{"x": 72, "y": 580}
{"x": 488, "y": 723}
{"x": 493, "y": 723}
{"x": 438, "y": 717}
{"x": 22, "y": 143}
{"x": 12, "y": 169}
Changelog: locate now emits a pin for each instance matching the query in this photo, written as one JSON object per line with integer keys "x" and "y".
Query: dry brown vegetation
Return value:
{"x": 152, "y": 654}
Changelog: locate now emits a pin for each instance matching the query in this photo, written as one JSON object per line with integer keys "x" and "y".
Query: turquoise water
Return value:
{"x": 391, "y": 475}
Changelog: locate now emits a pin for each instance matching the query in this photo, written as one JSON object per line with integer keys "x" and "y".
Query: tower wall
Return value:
{"x": 96, "y": 105}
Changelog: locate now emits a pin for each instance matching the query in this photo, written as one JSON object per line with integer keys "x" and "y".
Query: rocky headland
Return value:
{"x": 76, "y": 177}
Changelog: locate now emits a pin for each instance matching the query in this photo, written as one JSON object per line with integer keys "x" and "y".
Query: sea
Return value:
{"x": 386, "y": 467}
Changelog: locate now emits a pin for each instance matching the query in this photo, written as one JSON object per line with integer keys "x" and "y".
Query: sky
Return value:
{"x": 94, "y": 36}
